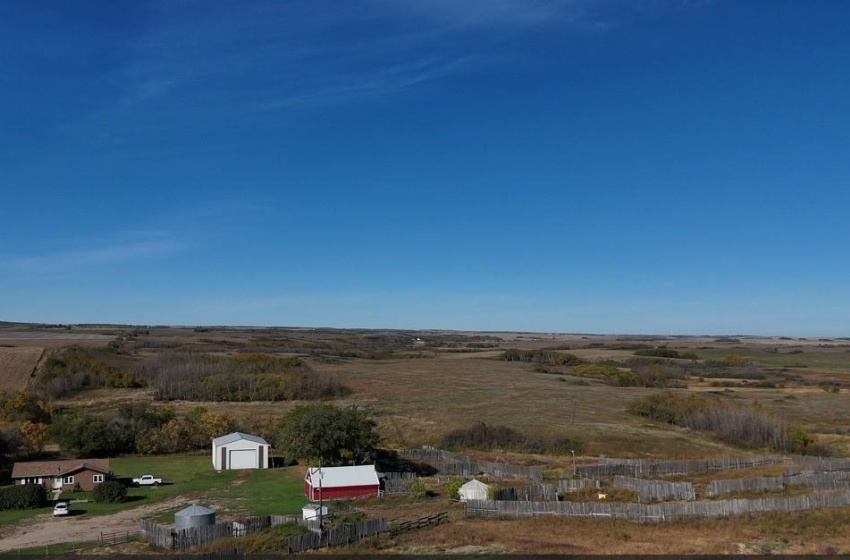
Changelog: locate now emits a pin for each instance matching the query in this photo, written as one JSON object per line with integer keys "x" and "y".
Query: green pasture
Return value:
{"x": 252, "y": 492}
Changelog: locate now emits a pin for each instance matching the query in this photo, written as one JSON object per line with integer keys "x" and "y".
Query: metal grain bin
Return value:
{"x": 193, "y": 516}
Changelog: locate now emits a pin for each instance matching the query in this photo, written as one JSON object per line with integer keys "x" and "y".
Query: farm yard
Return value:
{"x": 557, "y": 404}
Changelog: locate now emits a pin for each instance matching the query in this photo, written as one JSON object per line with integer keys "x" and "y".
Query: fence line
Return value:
{"x": 463, "y": 465}
{"x": 530, "y": 493}
{"x": 660, "y": 467}
{"x": 168, "y": 538}
{"x": 660, "y": 490}
{"x": 820, "y": 482}
{"x": 718, "y": 487}
{"x": 337, "y": 535}
{"x": 394, "y": 474}
{"x": 117, "y": 537}
{"x": 398, "y": 485}
{"x": 427, "y": 521}
{"x": 571, "y": 485}
{"x": 654, "y": 512}
{"x": 822, "y": 463}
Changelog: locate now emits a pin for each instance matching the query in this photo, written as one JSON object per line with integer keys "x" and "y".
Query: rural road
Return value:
{"x": 47, "y": 530}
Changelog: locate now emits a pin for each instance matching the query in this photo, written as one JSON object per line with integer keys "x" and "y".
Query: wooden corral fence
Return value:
{"x": 719, "y": 487}
{"x": 397, "y": 486}
{"x": 659, "y": 467}
{"x": 574, "y": 484}
{"x": 656, "y": 490}
{"x": 170, "y": 539}
{"x": 420, "y": 523}
{"x": 117, "y": 537}
{"x": 820, "y": 482}
{"x": 463, "y": 465}
{"x": 337, "y": 535}
{"x": 397, "y": 482}
{"x": 532, "y": 493}
{"x": 821, "y": 463}
{"x": 654, "y": 512}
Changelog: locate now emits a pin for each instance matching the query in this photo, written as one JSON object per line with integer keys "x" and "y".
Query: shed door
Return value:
{"x": 243, "y": 459}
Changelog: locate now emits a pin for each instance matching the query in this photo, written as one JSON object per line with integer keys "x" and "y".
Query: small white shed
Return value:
{"x": 311, "y": 511}
{"x": 240, "y": 451}
{"x": 473, "y": 490}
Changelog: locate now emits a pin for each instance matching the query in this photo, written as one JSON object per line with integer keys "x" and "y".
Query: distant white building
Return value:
{"x": 473, "y": 490}
{"x": 240, "y": 451}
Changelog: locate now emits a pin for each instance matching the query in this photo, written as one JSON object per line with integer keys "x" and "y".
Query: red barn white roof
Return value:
{"x": 333, "y": 477}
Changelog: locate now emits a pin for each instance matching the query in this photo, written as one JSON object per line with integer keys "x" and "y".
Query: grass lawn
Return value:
{"x": 253, "y": 492}
{"x": 249, "y": 492}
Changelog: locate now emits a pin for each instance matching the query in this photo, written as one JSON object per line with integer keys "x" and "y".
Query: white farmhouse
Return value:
{"x": 240, "y": 451}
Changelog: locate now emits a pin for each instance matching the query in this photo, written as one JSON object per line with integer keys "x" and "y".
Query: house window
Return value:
{"x": 97, "y": 479}
{"x": 69, "y": 480}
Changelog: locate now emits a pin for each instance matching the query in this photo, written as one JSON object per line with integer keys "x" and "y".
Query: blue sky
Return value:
{"x": 654, "y": 166}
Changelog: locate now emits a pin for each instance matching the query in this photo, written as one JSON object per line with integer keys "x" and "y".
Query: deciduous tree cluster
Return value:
{"x": 544, "y": 357}
{"x": 747, "y": 426}
{"x": 195, "y": 376}
{"x": 328, "y": 434}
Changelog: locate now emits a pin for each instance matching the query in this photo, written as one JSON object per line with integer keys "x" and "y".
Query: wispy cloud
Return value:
{"x": 382, "y": 81}
{"x": 481, "y": 13}
{"x": 200, "y": 64}
{"x": 124, "y": 247}
{"x": 197, "y": 65}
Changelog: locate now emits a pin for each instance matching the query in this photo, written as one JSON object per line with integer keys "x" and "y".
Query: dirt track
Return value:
{"x": 46, "y": 530}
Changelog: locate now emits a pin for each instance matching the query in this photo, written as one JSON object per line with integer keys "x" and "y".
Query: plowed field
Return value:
{"x": 17, "y": 365}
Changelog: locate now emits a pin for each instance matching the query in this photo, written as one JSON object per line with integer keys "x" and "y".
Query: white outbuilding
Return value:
{"x": 240, "y": 451}
{"x": 473, "y": 490}
{"x": 313, "y": 511}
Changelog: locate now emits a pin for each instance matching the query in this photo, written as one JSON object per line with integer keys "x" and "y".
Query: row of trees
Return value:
{"x": 320, "y": 432}
{"x": 640, "y": 374}
{"x": 141, "y": 428}
{"x": 189, "y": 375}
{"x": 664, "y": 352}
{"x": 75, "y": 368}
{"x": 197, "y": 376}
{"x": 542, "y": 357}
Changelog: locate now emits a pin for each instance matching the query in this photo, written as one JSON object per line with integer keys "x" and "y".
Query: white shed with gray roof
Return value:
{"x": 240, "y": 451}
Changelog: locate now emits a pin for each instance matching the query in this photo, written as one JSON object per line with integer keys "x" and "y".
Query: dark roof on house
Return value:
{"x": 59, "y": 468}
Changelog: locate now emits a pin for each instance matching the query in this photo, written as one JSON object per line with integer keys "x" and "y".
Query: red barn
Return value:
{"x": 334, "y": 483}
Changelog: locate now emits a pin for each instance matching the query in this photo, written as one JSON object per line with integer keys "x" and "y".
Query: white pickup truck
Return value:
{"x": 147, "y": 480}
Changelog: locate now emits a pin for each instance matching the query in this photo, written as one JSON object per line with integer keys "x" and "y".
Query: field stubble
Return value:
{"x": 17, "y": 365}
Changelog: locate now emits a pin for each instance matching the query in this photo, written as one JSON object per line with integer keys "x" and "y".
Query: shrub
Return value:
{"x": 546, "y": 357}
{"x": 483, "y": 436}
{"x": 658, "y": 352}
{"x": 453, "y": 489}
{"x": 26, "y": 496}
{"x": 247, "y": 377}
{"x": 487, "y": 437}
{"x": 109, "y": 492}
{"x": 418, "y": 488}
{"x": 732, "y": 423}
